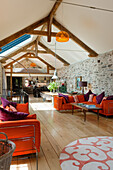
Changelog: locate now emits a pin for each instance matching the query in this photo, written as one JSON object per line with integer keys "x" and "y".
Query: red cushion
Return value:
{"x": 71, "y": 99}
{"x": 81, "y": 98}
{"x": 22, "y": 107}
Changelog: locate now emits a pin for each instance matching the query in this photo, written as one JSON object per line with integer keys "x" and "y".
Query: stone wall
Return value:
{"x": 98, "y": 72}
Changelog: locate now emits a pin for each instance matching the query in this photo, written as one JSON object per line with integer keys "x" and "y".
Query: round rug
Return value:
{"x": 93, "y": 153}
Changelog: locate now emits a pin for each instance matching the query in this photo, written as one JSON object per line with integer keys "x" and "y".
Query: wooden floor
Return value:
{"x": 58, "y": 130}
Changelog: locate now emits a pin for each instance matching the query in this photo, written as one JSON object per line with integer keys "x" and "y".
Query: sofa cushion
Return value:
{"x": 22, "y": 107}
{"x": 91, "y": 98}
{"x": 81, "y": 98}
{"x": 100, "y": 97}
{"x": 12, "y": 108}
{"x": 5, "y": 102}
{"x": 110, "y": 98}
{"x": 63, "y": 100}
{"x": 76, "y": 98}
{"x": 70, "y": 99}
{"x": 6, "y": 115}
{"x": 94, "y": 99}
{"x": 86, "y": 96}
{"x": 65, "y": 96}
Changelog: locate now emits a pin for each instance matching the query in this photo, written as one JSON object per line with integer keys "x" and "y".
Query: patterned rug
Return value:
{"x": 93, "y": 153}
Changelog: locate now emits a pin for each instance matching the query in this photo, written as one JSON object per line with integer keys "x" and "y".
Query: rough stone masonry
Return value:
{"x": 97, "y": 71}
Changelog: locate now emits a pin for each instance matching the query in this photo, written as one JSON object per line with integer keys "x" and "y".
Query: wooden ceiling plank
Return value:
{"x": 92, "y": 53}
{"x": 51, "y": 52}
{"x": 22, "y": 32}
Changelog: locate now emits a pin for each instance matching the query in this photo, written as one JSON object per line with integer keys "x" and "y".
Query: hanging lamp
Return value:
{"x": 55, "y": 72}
{"x": 62, "y": 36}
{"x": 33, "y": 65}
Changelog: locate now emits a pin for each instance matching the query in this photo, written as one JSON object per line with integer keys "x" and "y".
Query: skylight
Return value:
{"x": 15, "y": 42}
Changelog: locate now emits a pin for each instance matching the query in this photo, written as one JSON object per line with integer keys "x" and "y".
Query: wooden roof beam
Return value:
{"x": 51, "y": 52}
{"x": 45, "y": 62}
{"x": 15, "y": 60}
{"x": 23, "y": 31}
{"x": 50, "y": 18}
{"x": 33, "y": 51}
{"x": 92, "y": 53}
{"x": 42, "y": 33}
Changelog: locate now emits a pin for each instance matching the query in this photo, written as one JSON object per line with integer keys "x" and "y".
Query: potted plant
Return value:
{"x": 52, "y": 86}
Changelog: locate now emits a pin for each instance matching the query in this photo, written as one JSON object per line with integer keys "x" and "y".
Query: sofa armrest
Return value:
{"x": 107, "y": 106}
{"x": 58, "y": 101}
{"x": 18, "y": 130}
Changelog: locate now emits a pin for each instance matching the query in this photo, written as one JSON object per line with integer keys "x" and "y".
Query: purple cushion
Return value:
{"x": 86, "y": 96}
{"x": 100, "y": 97}
{"x": 6, "y": 115}
{"x": 7, "y": 103}
{"x": 65, "y": 96}
{"x": 110, "y": 98}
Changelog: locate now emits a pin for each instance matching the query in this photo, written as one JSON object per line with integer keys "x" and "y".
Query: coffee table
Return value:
{"x": 86, "y": 108}
{"x": 93, "y": 153}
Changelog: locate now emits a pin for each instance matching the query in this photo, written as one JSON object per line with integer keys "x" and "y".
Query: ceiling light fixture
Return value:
{"x": 33, "y": 65}
{"x": 62, "y": 36}
{"x": 55, "y": 72}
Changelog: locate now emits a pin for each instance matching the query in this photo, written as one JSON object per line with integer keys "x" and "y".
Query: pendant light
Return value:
{"x": 55, "y": 72}
{"x": 33, "y": 65}
{"x": 62, "y": 36}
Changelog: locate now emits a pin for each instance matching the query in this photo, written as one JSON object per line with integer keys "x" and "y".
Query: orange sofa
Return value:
{"x": 106, "y": 105}
{"x": 24, "y": 133}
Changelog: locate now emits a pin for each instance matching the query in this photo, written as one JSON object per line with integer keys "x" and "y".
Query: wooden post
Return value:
{"x": 47, "y": 69}
{"x": 11, "y": 67}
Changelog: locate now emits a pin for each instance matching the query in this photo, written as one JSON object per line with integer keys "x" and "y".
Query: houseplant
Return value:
{"x": 53, "y": 86}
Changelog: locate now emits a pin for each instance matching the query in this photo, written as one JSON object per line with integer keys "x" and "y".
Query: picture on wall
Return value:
{"x": 77, "y": 80}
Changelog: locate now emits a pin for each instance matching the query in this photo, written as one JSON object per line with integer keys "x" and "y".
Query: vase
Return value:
{"x": 53, "y": 90}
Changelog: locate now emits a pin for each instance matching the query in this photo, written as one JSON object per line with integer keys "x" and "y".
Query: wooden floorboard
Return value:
{"x": 59, "y": 129}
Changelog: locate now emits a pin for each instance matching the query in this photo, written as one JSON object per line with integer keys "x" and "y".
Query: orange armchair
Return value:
{"x": 24, "y": 133}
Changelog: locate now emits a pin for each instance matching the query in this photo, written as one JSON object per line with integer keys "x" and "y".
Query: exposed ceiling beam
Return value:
{"x": 29, "y": 56}
{"x": 51, "y": 52}
{"x": 17, "y": 51}
{"x": 42, "y": 29}
{"x": 42, "y": 33}
{"x": 33, "y": 51}
{"x": 45, "y": 62}
{"x": 55, "y": 7}
{"x": 92, "y": 53}
{"x": 50, "y": 18}
{"x": 23, "y": 31}
{"x": 27, "y": 73}
{"x": 15, "y": 60}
